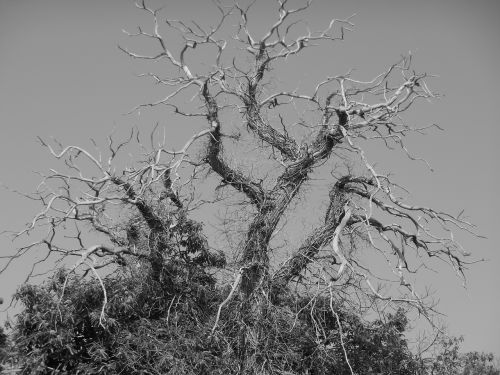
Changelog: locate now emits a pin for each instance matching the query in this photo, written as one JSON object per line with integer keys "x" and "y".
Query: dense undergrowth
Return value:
{"x": 165, "y": 327}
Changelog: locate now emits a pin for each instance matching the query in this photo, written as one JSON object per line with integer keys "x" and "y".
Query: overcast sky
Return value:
{"x": 61, "y": 74}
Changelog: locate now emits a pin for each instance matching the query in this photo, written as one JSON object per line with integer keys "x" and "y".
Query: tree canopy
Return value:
{"x": 179, "y": 260}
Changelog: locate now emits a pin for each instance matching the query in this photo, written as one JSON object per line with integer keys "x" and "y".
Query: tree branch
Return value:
{"x": 308, "y": 251}
{"x": 214, "y": 158}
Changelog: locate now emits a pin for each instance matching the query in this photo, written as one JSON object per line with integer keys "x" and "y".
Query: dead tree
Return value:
{"x": 238, "y": 94}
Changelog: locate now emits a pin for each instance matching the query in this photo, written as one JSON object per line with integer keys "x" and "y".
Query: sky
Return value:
{"x": 62, "y": 75}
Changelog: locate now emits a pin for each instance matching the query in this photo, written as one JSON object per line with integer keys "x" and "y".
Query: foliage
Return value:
{"x": 3, "y": 347}
{"x": 476, "y": 363}
{"x": 446, "y": 358}
{"x": 166, "y": 328}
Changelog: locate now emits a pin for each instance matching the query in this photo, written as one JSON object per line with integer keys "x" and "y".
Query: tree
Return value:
{"x": 136, "y": 227}
{"x": 447, "y": 359}
{"x": 147, "y": 330}
{"x": 476, "y": 363}
{"x": 3, "y": 347}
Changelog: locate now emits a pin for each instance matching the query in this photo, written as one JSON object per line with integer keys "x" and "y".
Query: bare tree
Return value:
{"x": 292, "y": 137}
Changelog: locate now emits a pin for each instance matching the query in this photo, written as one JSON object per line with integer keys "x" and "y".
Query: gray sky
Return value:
{"x": 62, "y": 75}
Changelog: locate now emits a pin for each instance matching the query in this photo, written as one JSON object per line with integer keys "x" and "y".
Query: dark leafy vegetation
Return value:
{"x": 166, "y": 328}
